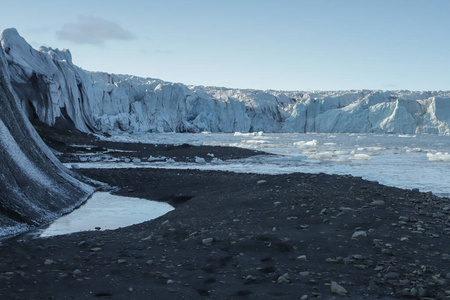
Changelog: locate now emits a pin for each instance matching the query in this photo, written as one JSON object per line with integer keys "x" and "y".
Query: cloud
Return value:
{"x": 93, "y": 30}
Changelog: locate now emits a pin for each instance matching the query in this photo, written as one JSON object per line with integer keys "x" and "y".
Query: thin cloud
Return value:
{"x": 94, "y": 31}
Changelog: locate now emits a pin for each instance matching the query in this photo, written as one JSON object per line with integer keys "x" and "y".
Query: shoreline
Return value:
{"x": 244, "y": 236}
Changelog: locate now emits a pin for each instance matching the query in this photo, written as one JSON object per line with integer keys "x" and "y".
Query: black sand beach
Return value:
{"x": 240, "y": 236}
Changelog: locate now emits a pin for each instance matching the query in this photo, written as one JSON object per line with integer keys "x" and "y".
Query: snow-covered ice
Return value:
{"x": 110, "y": 102}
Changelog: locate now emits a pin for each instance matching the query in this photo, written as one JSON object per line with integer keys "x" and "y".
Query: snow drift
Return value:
{"x": 59, "y": 93}
{"x": 35, "y": 187}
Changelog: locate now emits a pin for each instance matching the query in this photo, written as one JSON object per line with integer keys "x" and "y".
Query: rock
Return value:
{"x": 338, "y": 289}
{"x": 149, "y": 262}
{"x": 359, "y": 234}
{"x": 392, "y": 275}
{"x": 207, "y": 241}
{"x": 75, "y": 166}
{"x": 304, "y": 297}
{"x": 261, "y": 182}
{"x": 284, "y": 278}
{"x": 48, "y": 262}
{"x": 77, "y": 272}
{"x": 96, "y": 249}
{"x": 121, "y": 261}
{"x": 377, "y": 203}
{"x": 301, "y": 257}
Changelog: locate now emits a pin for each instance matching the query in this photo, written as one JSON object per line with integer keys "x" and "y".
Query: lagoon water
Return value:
{"x": 106, "y": 211}
{"x": 406, "y": 161}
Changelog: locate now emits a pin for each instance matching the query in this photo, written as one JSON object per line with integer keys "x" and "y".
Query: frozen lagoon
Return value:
{"x": 405, "y": 161}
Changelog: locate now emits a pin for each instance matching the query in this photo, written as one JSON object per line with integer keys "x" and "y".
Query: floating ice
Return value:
{"x": 439, "y": 156}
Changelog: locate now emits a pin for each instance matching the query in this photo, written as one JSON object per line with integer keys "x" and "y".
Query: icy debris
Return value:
{"x": 439, "y": 156}
{"x": 216, "y": 161}
{"x": 306, "y": 145}
{"x": 200, "y": 160}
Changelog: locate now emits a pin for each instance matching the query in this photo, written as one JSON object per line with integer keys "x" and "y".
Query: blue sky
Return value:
{"x": 281, "y": 45}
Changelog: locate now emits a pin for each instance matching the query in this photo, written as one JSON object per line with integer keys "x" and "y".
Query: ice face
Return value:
{"x": 64, "y": 95}
{"x": 35, "y": 187}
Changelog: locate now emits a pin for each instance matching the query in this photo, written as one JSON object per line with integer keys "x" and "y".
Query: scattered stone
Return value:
{"x": 359, "y": 234}
{"x": 96, "y": 249}
{"x": 304, "y": 297}
{"x": 149, "y": 262}
{"x": 338, "y": 289}
{"x": 377, "y": 203}
{"x": 301, "y": 257}
{"x": 284, "y": 278}
{"x": 121, "y": 261}
{"x": 75, "y": 166}
{"x": 392, "y": 275}
{"x": 49, "y": 262}
{"x": 261, "y": 182}
{"x": 207, "y": 241}
{"x": 77, "y": 272}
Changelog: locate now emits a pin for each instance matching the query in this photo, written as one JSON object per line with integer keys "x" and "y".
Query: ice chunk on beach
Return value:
{"x": 200, "y": 160}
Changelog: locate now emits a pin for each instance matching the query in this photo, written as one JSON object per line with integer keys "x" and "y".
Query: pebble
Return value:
{"x": 284, "y": 278}
{"x": 301, "y": 257}
{"x": 261, "y": 182}
{"x": 121, "y": 261}
{"x": 358, "y": 234}
{"x": 49, "y": 262}
{"x": 377, "y": 202}
{"x": 96, "y": 249}
{"x": 207, "y": 241}
{"x": 304, "y": 297}
{"x": 77, "y": 272}
{"x": 338, "y": 289}
{"x": 391, "y": 275}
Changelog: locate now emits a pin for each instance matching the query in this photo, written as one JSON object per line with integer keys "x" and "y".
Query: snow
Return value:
{"x": 109, "y": 102}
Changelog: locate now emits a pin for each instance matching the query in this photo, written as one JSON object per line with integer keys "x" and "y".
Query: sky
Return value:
{"x": 280, "y": 45}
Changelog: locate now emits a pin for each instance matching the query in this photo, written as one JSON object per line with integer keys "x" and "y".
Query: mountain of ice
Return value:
{"x": 35, "y": 187}
{"x": 59, "y": 93}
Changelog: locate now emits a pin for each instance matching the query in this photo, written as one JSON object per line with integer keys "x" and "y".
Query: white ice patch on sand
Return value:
{"x": 107, "y": 212}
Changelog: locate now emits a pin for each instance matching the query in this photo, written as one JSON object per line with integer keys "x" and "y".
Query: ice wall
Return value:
{"x": 34, "y": 187}
{"x": 51, "y": 87}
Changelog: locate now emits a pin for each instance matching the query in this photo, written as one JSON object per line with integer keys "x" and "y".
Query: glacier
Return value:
{"x": 35, "y": 188}
{"x": 51, "y": 88}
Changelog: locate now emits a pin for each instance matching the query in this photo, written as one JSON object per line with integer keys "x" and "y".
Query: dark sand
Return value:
{"x": 240, "y": 236}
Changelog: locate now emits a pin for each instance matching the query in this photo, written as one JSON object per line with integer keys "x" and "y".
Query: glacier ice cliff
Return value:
{"x": 35, "y": 187}
{"x": 59, "y": 93}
